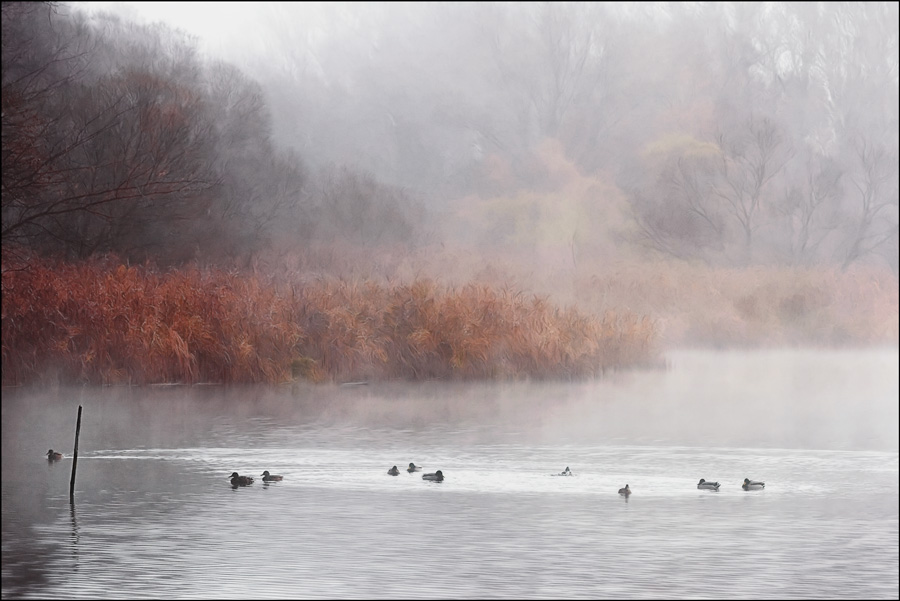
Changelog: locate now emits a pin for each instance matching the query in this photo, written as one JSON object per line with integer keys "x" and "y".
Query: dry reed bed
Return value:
{"x": 101, "y": 322}
{"x": 695, "y": 304}
{"x": 754, "y": 307}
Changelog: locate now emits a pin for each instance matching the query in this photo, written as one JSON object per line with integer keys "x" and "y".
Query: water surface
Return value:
{"x": 155, "y": 516}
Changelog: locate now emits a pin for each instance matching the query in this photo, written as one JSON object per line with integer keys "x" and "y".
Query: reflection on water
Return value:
{"x": 74, "y": 536}
{"x": 157, "y": 515}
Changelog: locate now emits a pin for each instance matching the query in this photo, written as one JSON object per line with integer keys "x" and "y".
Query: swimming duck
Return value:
{"x": 238, "y": 480}
{"x": 53, "y": 455}
{"x": 752, "y": 484}
{"x": 267, "y": 477}
{"x": 566, "y": 472}
{"x": 625, "y": 491}
{"x": 393, "y": 471}
{"x": 438, "y": 476}
{"x": 704, "y": 485}
{"x": 412, "y": 468}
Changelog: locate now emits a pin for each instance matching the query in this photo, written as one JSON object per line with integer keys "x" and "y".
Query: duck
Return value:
{"x": 752, "y": 484}
{"x": 413, "y": 468}
{"x": 53, "y": 455}
{"x": 704, "y": 485}
{"x": 267, "y": 477}
{"x": 393, "y": 471}
{"x": 625, "y": 491}
{"x": 238, "y": 480}
{"x": 566, "y": 472}
{"x": 438, "y": 476}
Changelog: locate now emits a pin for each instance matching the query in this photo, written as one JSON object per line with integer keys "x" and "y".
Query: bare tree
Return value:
{"x": 874, "y": 181}
{"x": 550, "y": 55}
{"x": 357, "y": 208}
{"x": 750, "y": 158}
{"x": 97, "y": 164}
{"x": 812, "y": 209}
{"x": 673, "y": 199}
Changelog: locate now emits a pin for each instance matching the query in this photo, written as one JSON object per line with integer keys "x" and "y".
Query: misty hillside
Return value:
{"x": 733, "y": 134}
{"x": 728, "y": 171}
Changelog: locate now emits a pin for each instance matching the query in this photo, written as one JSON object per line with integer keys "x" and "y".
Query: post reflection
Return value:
{"x": 75, "y": 535}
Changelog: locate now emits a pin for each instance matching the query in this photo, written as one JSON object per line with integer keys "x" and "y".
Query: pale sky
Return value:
{"x": 224, "y": 30}
{"x": 212, "y": 22}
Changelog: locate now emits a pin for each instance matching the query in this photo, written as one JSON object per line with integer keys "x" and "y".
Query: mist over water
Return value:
{"x": 155, "y": 514}
{"x": 835, "y": 399}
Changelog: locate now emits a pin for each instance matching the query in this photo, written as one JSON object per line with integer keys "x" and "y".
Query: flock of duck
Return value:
{"x": 702, "y": 485}
{"x": 438, "y": 476}
{"x": 238, "y": 480}
{"x": 747, "y": 485}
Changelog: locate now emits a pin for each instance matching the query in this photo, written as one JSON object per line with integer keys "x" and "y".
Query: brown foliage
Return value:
{"x": 756, "y": 307}
{"x": 103, "y": 322}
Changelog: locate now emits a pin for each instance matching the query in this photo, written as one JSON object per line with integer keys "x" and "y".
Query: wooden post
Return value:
{"x": 75, "y": 458}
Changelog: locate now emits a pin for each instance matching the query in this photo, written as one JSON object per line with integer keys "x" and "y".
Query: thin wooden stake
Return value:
{"x": 75, "y": 459}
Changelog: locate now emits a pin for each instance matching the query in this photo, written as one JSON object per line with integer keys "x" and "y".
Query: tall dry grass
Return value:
{"x": 490, "y": 316}
{"x": 102, "y": 322}
{"x": 752, "y": 307}
{"x": 691, "y": 304}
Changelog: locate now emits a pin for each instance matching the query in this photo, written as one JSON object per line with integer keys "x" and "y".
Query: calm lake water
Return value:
{"x": 156, "y": 517}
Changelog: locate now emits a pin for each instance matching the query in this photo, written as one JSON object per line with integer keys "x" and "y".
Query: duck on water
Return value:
{"x": 438, "y": 476}
{"x": 238, "y": 480}
{"x": 267, "y": 477}
{"x": 752, "y": 484}
{"x": 704, "y": 485}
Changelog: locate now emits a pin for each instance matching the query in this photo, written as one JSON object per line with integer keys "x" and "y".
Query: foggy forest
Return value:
{"x": 448, "y": 191}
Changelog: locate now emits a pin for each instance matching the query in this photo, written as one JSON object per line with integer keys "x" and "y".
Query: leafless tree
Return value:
{"x": 96, "y": 164}
{"x": 875, "y": 191}
{"x": 750, "y": 158}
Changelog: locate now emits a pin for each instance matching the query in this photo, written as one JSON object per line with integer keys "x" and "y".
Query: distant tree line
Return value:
{"x": 730, "y": 133}
{"x": 119, "y": 138}
{"x": 739, "y": 133}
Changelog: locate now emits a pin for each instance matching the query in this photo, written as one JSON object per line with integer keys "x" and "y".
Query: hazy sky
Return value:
{"x": 217, "y": 25}
{"x": 212, "y": 22}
